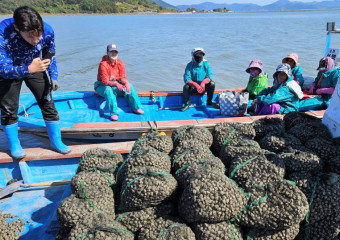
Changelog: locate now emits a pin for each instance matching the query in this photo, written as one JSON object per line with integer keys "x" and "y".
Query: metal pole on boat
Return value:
{"x": 170, "y": 108}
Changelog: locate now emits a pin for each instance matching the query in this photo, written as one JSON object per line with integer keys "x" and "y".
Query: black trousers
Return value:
{"x": 9, "y": 97}
{"x": 187, "y": 90}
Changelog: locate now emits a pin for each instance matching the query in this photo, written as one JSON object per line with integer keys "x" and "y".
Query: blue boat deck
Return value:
{"x": 46, "y": 175}
{"x": 37, "y": 209}
{"x": 80, "y": 107}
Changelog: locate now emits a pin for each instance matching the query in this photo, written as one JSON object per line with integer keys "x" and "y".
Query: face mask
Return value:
{"x": 254, "y": 72}
{"x": 198, "y": 58}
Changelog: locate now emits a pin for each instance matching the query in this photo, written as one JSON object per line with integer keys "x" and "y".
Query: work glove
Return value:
{"x": 204, "y": 82}
{"x": 312, "y": 89}
{"x": 320, "y": 91}
{"x": 116, "y": 84}
{"x": 195, "y": 85}
{"x": 55, "y": 85}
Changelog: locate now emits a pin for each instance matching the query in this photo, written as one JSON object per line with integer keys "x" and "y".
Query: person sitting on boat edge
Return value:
{"x": 323, "y": 85}
{"x": 198, "y": 78}
{"x": 282, "y": 97}
{"x": 293, "y": 60}
{"x": 24, "y": 40}
{"x": 112, "y": 82}
{"x": 258, "y": 79}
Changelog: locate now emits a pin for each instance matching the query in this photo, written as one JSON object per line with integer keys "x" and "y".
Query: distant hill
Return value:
{"x": 276, "y": 6}
{"x": 82, "y": 6}
{"x": 164, "y": 4}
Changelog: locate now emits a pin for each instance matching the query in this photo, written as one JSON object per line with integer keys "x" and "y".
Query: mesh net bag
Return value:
{"x": 264, "y": 126}
{"x": 162, "y": 143}
{"x": 258, "y": 170}
{"x": 135, "y": 220}
{"x": 145, "y": 187}
{"x": 187, "y": 173}
{"x": 277, "y": 143}
{"x": 326, "y": 149}
{"x": 144, "y": 158}
{"x": 211, "y": 198}
{"x": 97, "y": 228}
{"x": 240, "y": 146}
{"x": 93, "y": 178}
{"x": 192, "y": 133}
{"x": 223, "y": 133}
{"x": 308, "y": 130}
{"x": 264, "y": 234}
{"x": 325, "y": 197}
{"x": 87, "y": 203}
{"x": 217, "y": 231}
{"x": 297, "y": 161}
{"x": 292, "y": 119}
{"x": 166, "y": 228}
{"x": 277, "y": 206}
{"x": 99, "y": 158}
{"x": 184, "y": 157}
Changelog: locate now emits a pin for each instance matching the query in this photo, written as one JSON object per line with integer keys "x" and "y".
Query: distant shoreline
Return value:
{"x": 165, "y": 13}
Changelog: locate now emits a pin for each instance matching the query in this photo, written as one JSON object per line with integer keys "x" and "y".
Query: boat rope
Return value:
{"x": 25, "y": 113}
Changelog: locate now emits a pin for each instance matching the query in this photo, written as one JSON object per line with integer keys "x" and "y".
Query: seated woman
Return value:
{"x": 323, "y": 85}
{"x": 280, "y": 98}
{"x": 258, "y": 80}
{"x": 292, "y": 59}
{"x": 112, "y": 82}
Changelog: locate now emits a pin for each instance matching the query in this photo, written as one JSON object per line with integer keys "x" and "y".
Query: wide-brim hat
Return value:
{"x": 285, "y": 67}
{"x": 255, "y": 64}
{"x": 292, "y": 56}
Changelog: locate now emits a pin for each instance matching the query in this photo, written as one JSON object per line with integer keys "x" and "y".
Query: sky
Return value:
{"x": 258, "y": 2}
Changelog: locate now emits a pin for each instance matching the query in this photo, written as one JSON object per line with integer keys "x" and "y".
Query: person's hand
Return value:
{"x": 117, "y": 85}
{"x": 253, "y": 103}
{"x": 55, "y": 85}
{"x": 312, "y": 89}
{"x": 203, "y": 83}
{"x": 199, "y": 89}
{"x": 38, "y": 65}
{"x": 127, "y": 86}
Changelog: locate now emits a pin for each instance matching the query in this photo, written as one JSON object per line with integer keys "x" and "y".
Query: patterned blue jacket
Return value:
{"x": 16, "y": 54}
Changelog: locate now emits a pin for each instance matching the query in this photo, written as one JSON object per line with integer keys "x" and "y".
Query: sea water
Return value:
{"x": 156, "y": 48}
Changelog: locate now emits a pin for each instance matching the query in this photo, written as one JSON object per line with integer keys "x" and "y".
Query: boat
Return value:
{"x": 41, "y": 179}
{"x": 84, "y": 116}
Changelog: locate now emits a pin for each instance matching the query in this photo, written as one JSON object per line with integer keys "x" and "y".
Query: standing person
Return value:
{"x": 283, "y": 97}
{"x": 112, "y": 82}
{"x": 324, "y": 85}
{"x": 258, "y": 79}
{"x": 293, "y": 61}
{"x": 24, "y": 40}
{"x": 198, "y": 78}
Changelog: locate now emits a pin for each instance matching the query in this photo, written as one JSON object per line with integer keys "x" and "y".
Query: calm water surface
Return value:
{"x": 156, "y": 48}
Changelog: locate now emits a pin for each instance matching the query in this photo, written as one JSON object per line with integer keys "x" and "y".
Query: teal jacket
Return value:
{"x": 197, "y": 72}
{"x": 297, "y": 73}
{"x": 330, "y": 80}
{"x": 286, "y": 94}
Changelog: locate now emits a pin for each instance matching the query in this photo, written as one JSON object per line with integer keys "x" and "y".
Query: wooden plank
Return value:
{"x": 10, "y": 189}
{"x": 33, "y": 154}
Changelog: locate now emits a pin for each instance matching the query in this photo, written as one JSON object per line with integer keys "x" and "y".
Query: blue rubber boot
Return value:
{"x": 54, "y": 134}
{"x": 11, "y": 132}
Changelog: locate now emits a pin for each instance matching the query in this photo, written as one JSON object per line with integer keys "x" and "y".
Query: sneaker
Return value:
{"x": 138, "y": 111}
{"x": 114, "y": 117}
{"x": 184, "y": 108}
